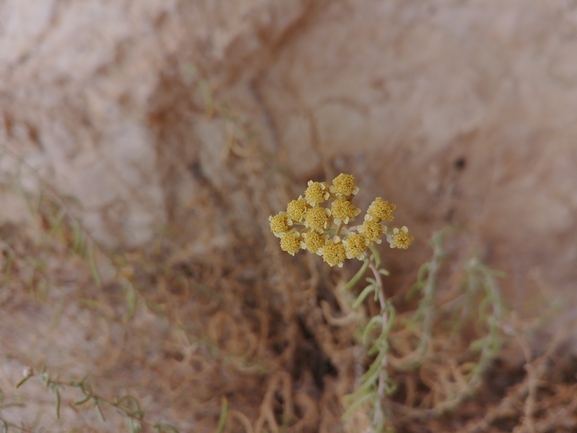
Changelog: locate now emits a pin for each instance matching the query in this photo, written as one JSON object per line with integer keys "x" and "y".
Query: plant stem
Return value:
{"x": 379, "y": 416}
{"x": 339, "y": 228}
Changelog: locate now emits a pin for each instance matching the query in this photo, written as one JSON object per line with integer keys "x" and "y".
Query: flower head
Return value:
{"x": 355, "y": 245}
{"x": 291, "y": 242}
{"x": 327, "y": 211}
{"x": 318, "y": 219}
{"x": 381, "y": 210}
{"x": 279, "y": 224}
{"x": 316, "y": 193}
{"x": 314, "y": 242}
{"x": 344, "y": 185}
{"x": 371, "y": 230}
{"x": 297, "y": 209}
{"x": 400, "y": 238}
{"x": 334, "y": 252}
{"x": 343, "y": 211}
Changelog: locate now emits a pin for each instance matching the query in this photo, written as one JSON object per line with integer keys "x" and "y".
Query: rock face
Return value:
{"x": 460, "y": 112}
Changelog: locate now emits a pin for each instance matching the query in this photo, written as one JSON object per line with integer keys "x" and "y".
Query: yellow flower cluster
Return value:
{"x": 324, "y": 231}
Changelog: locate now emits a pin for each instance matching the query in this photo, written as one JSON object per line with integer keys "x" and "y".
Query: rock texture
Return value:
{"x": 460, "y": 112}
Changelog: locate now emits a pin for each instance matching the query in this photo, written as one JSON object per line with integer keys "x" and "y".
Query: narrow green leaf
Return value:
{"x": 354, "y": 406}
{"x": 375, "y": 321}
{"x": 93, "y": 268}
{"x": 376, "y": 256}
{"x": 89, "y": 303}
{"x": 424, "y": 270}
{"x": 86, "y": 389}
{"x": 45, "y": 378}
{"x": 58, "y": 401}
{"x": 223, "y": 415}
{"x": 56, "y": 222}
{"x": 392, "y": 316}
{"x": 357, "y": 276}
{"x": 19, "y": 384}
{"x": 81, "y": 247}
{"x": 76, "y": 235}
{"x": 478, "y": 345}
{"x": 131, "y": 300}
{"x": 42, "y": 288}
{"x": 165, "y": 428}
{"x": 380, "y": 345}
{"x": 35, "y": 263}
{"x": 8, "y": 266}
{"x": 390, "y": 387}
{"x": 366, "y": 292}
{"x": 134, "y": 425}
{"x": 8, "y": 405}
{"x": 375, "y": 366}
{"x": 417, "y": 287}
{"x": 84, "y": 400}
{"x": 82, "y": 381}
{"x": 132, "y": 407}
{"x": 368, "y": 382}
{"x": 97, "y": 406}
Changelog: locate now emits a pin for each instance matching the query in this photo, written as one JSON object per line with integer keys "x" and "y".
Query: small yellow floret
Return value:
{"x": 297, "y": 209}
{"x": 316, "y": 193}
{"x": 371, "y": 230}
{"x": 291, "y": 243}
{"x": 334, "y": 253}
{"x": 381, "y": 210}
{"x": 343, "y": 211}
{"x": 400, "y": 238}
{"x": 355, "y": 246}
{"x": 314, "y": 242}
{"x": 318, "y": 219}
{"x": 279, "y": 224}
{"x": 344, "y": 185}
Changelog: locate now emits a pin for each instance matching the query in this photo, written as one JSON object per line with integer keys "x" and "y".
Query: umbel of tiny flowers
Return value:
{"x": 318, "y": 222}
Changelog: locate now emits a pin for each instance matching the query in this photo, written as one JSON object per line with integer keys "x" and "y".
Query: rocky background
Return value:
{"x": 463, "y": 113}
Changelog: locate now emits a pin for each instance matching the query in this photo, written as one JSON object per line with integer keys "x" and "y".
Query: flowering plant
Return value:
{"x": 309, "y": 223}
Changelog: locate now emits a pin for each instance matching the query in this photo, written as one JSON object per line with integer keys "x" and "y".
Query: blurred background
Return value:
{"x": 144, "y": 144}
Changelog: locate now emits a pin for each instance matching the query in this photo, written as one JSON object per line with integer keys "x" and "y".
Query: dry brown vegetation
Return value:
{"x": 249, "y": 329}
{"x": 144, "y": 145}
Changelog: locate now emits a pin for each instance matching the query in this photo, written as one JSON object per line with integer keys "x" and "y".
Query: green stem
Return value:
{"x": 376, "y": 256}
{"x": 379, "y": 415}
{"x": 357, "y": 276}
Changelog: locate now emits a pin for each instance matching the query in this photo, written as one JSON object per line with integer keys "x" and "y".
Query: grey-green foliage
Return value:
{"x": 127, "y": 405}
{"x": 485, "y": 309}
{"x": 55, "y": 214}
{"x": 376, "y": 381}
